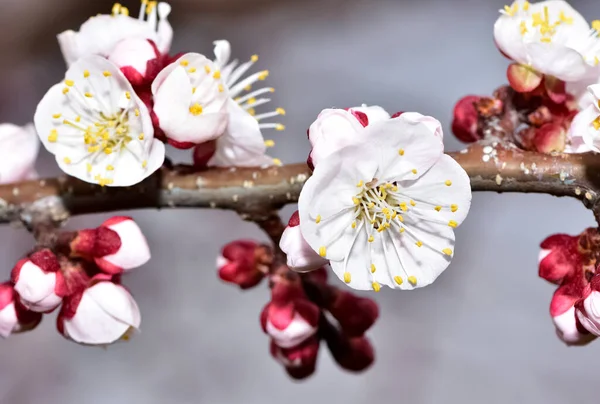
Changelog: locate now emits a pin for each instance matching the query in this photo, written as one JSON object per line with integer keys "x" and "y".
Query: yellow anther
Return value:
{"x": 355, "y": 200}
{"x": 546, "y": 39}
{"x": 196, "y": 109}
{"x": 193, "y": 90}
{"x": 67, "y": 160}
{"x": 354, "y": 225}
{"x": 207, "y": 69}
{"x": 269, "y": 143}
{"x": 221, "y": 88}
{"x": 448, "y": 183}
{"x": 93, "y": 149}
{"x": 596, "y": 25}
{"x": 56, "y": 116}
{"x": 86, "y": 74}
{"x": 401, "y": 152}
{"x": 453, "y": 207}
{"x": 192, "y": 70}
{"x": 371, "y": 205}
{"x": 419, "y": 244}
{"x": 373, "y": 268}
{"x": 116, "y": 8}
{"x": 53, "y": 136}
{"x": 251, "y": 111}
{"x": 108, "y": 150}
{"x": 217, "y": 75}
{"x": 263, "y": 75}
{"x": 252, "y": 101}
{"x": 271, "y": 90}
{"x": 248, "y": 87}
{"x": 526, "y": 6}
{"x": 523, "y": 27}
{"x": 150, "y": 7}
{"x": 438, "y": 208}
{"x": 398, "y": 280}
{"x": 414, "y": 170}
{"x": 280, "y": 127}
{"x": 394, "y": 214}
{"x": 184, "y": 63}
{"x": 280, "y": 111}
{"x": 88, "y": 166}
{"x": 376, "y": 287}
{"x": 65, "y": 90}
{"x": 277, "y": 162}
{"x": 141, "y": 136}
{"x": 563, "y": 18}
{"x": 254, "y": 58}
{"x": 403, "y": 206}
{"x": 447, "y": 251}
{"x": 144, "y": 164}
{"x": 371, "y": 238}
{"x": 395, "y": 188}
{"x": 347, "y": 277}
{"x": 453, "y": 224}
{"x": 596, "y": 123}
{"x": 318, "y": 219}
{"x": 360, "y": 183}
{"x": 413, "y": 203}
{"x": 402, "y": 230}
{"x": 400, "y": 219}
{"x": 69, "y": 83}
{"x": 77, "y": 118}
{"x": 323, "y": 251}
{"x": 137, "y": 112}
{"x": 88, "y": 95}
{"x": 512, "y": 10}
{"x": 125, "y": 11}
{"x": 412, "y": 280}
{"x": 110, "y": 168}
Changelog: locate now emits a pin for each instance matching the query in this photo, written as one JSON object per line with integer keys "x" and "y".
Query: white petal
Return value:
{"x": 582, "y": 130}
{"x": 507, "y": 35}
{"x": 557, "y": 60}
{"x": 134, "y": 251}
{"x": 433, "y": 124}
{"x": 566, "y": 327}
{"x": 117, "y": 301}
{"x": 69, "y": 46}
{"x": 19, "y": 148}
{"x": 133, "y": 52}
{"x": 222, "y": 52}
{"x": 293, "y": 335}
{"x": 242, "y": 144}
{"x": 8, "y": 320}
{"x": 33, "y": 284}
{"x": 300, "y": 256}
{"x": 375, "y": 113}
{"x": 165, "y": 31}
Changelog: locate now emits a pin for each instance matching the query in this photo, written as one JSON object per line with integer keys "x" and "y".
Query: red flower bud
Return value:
{"x": 354, "y": 314}
{"x": 244, "y": 263}
{"x": 550, "y": 137}
{"x": 558, "y": 257}
{"x": 465, "y": 120}
{"x": 299, "y": 361}
{"x": 354, "y": 354}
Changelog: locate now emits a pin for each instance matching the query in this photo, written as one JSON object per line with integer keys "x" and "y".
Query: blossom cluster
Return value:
{"x": 124, "y": 96}
{"x": 303, "y": 311}
{"x": 81, "y": 274}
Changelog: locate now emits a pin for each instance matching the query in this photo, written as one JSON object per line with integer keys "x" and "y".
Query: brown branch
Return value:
{"x": 256, "y": 193}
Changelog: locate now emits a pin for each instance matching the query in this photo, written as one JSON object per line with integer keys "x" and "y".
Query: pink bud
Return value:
{"x": 290, "y": 324}
{"x": 241, "y": 263}
{"x": 558, "y": 257}
{"x": 354, "y": 314}
{"x": 465, "y": 120}
{"x": 102, "y": 314}
{"x": 568, "y": 327}
{"x": 120, "y": 246}
{"x": 133, "y": 56}
{"x": 14, "y": 317}
{"x": 556, "y": 89}
{"x": 39, "y": 282}
{"x": 299, "y": 361}
{"x": 523, "y": 79}
{"x": 300, "y": 256}
{"x": 550, "y": 137}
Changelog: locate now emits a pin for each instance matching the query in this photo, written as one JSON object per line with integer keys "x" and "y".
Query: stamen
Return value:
{"x": 453, "y": 207}
{"x": 398, "y": 280}
{"x": 86, "y": 74}
{"x": 347, "y": 277}
{"x": 376, "y": 287}
{"x": 401, "y": 152}
{"x": 277, "y": 162}
{"x": 373, "y": 268}
{"x": 453, "y": 224}
{"x": 196, "y": 109}
{"x": 323, "y": 251}
{"x": 448, "y": 183}
{"x": 412, "y": 280}
{"x": 269, "y": 143}
{"x": 447, "y": 251}
{"x": 318, "y": 219}
{"x": 419, "y": 243}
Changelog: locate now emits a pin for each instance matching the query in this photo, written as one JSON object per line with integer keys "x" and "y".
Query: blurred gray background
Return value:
{"x": 481, "y": 334}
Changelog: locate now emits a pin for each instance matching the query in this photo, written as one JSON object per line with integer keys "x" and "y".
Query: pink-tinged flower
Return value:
{"x": 585, "y": 128}
{"x": 550, "y": 38}
{"x": 383, "y": 211}
{"x": 97, "y": 127}
{"x": 289, "y": 319}
{"x": 102, "y": 314}
{"x": 14, "y": 317}
{"x": 299, "y": 361}
{"x": 100, "y": 34}
{"x": 20, "y": 146}
{"x": 465, "y": 119}
{"x": 139, "y": 60}
{"x": 558, "y": 257}
{"x": 244, "y": 263}
{"x": 374, "y": 113}
{"x": 191, "y": 101}
{"x": 300, "y": 256}
{"x": 117, "y": 246}
{"x": 243, "y": 144}
{"x": 39, "y": 281}
{"x": 562, "y": 309}
{"x": 354, "y": 314}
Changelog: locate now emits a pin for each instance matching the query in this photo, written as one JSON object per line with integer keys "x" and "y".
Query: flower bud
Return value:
{"x": 523, "y": 79}
{"x": 118, "y": 245}
{"x": 14, "y": 317}
{"x": 465, "y": 121}
{"x": 244, "y": 263}
{"x": 558, "y": 257}
{"x": 100, "y": 315}
{"x": 568, "y": 326}
{"x": 290, "y": 323}
{"x": 133, "y": 56}
{"x": 354, "y": 314}
{"x": 299, "y": 361}
{"x": 39, "y": 282}
{"x": 300, "y": 256}
{"x": 550, "y": 137}
{"x": 354, "y": 354}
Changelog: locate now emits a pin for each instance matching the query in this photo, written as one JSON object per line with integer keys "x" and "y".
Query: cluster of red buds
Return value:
{"x": 570, "y": 262}
{"x": 80, "y": 273}
{"x": 304, "y": 311}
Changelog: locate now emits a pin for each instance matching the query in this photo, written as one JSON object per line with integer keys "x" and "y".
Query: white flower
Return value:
{"x": 100, "y": 34}
{"x": 104, "y": 314}
{"x": 19, "y": 148}
{"x": 383, "y": 211}
{"x": 242, "y": 144}
{"x": 300, "y": 256}
{"x": 97, "y": 127}
{"x": 39, "y": 281}
{"x": 584, "y": 131}
{"x": 551, "y": 37}
{"x": 190, "y": 101}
